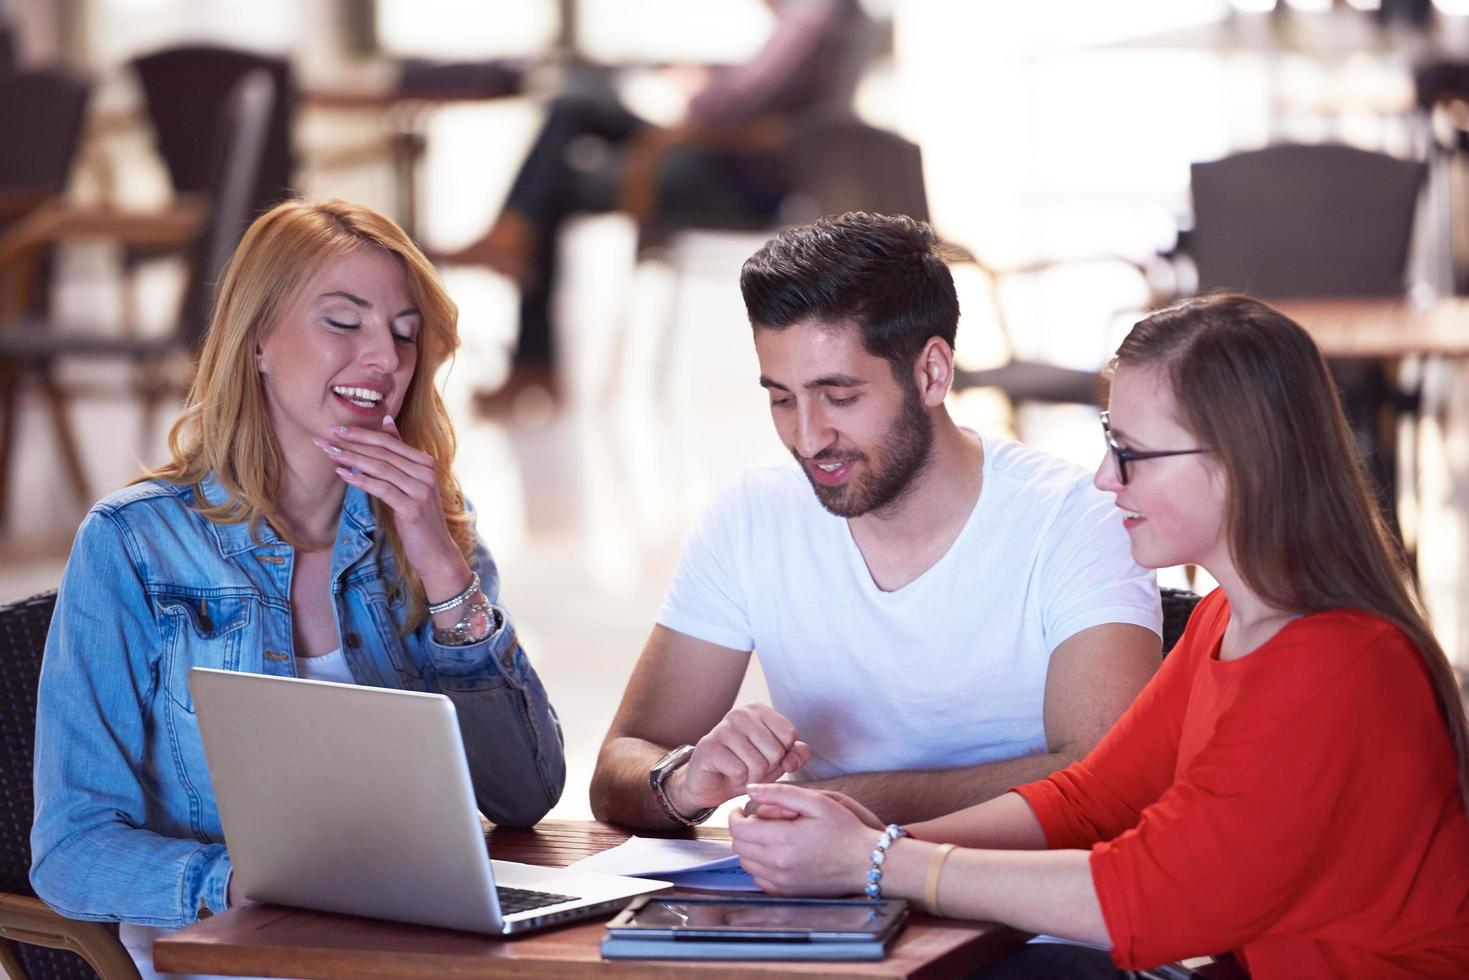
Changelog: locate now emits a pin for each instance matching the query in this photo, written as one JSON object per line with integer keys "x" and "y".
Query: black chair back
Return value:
{"x": 186, "y": 89}
{"x": 1295, "y": 220}
{"x": 843, "y": 164}
{"x": 1178, "y": 606}
{"x": 23, "y": 626}
{"x": 40, "y": 123}
{"x": 240, "y": 148}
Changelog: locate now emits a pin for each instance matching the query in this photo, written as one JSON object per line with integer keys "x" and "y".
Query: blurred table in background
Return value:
{"x": 421, "y": 86}
{"x": 1384, "y": 328}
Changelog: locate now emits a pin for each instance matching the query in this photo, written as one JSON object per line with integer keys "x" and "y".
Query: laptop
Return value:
{"x": 358, "y": 800}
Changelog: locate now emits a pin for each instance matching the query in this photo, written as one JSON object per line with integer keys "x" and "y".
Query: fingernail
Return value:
{"x": 388, "y": 420}
{"x": 345, "y": 473}
{"x": 340, "y": 430}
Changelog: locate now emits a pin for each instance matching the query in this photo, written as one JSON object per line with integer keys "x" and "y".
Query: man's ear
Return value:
{"x": 934, "y": 371}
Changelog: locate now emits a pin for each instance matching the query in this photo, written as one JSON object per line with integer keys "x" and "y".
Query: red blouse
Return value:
{"x": 1298, "y": 806}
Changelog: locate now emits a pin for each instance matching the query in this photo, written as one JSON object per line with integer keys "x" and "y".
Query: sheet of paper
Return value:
{"x": 657, "y": 857}
{"x": 728, "y": 878}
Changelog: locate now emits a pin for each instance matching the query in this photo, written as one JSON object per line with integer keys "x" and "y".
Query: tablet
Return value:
{"x": 759, "y": 918}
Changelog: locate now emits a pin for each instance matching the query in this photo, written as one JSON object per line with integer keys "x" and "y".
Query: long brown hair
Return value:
{"x": 224, "y": 429}
{"x": 1305, "y": 531}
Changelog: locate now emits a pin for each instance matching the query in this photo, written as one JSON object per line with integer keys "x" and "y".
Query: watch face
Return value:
{"x": 673, "y": 759}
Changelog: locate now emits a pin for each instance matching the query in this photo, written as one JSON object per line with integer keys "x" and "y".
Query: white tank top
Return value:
{"x": 327, "y": 667}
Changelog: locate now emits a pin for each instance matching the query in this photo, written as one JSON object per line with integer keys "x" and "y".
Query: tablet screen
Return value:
{"x": 672, "y": 913}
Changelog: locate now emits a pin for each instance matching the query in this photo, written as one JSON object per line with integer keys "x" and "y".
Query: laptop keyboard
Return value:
{"x": 523, "y": 899}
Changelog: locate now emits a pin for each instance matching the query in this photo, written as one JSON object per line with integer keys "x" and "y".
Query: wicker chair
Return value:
{"x": 35, "y": 942}
{"x": 1178, "y": 606}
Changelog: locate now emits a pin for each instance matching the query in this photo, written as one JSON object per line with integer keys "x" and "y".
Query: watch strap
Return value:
{"x": 659, "y": 774}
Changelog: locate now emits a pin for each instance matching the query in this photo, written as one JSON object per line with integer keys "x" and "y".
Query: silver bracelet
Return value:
{"x": 478, "y": 621}
{"x": 458, "y": 600}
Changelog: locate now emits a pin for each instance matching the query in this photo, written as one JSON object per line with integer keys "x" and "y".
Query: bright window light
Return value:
{"x": 465, "y": 28}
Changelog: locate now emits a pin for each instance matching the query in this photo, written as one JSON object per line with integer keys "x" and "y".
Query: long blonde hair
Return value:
{"x": 225, "y": 430}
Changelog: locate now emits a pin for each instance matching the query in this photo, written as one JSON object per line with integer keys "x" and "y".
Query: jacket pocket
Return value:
{"x": 388, "y": 611}
{"x": 200, "y": 631}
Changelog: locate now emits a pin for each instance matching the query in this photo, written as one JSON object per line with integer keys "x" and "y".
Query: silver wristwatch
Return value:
{"x": 659, "y": 774}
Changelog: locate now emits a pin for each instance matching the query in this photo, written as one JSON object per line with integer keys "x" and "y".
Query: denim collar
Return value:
{"x": 234, "y": 539}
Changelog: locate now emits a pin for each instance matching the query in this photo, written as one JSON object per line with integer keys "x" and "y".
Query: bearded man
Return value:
{"x": 940, "y": 615}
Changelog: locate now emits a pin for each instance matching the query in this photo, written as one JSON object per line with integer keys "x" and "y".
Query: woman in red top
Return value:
{"x": 1292, "y": 785}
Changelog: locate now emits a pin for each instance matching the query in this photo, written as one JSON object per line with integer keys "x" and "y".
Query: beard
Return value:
{"x": 888, "y": 476}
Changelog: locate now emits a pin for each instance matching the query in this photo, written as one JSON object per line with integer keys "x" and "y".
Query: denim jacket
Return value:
{"x": 126, "y": 826}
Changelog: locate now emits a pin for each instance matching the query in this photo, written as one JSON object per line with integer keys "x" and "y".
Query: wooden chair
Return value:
{"x": 40, "y": 126}
{"x": 35, "y": 942}
{"x": 31, "y": 348}
{"x": 187, "y": 87}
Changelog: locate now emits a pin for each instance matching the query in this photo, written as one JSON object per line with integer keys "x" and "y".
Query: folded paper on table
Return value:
{"x": 730, "y": 878}
{"x": 709, "y": 864}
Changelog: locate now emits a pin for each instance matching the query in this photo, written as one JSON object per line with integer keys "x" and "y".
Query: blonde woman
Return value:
{"x": 307, "y": 525}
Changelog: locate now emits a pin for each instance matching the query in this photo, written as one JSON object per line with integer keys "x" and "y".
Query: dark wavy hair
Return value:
{"x": 885, "y": 273}
{"x": 1305, "y": 531}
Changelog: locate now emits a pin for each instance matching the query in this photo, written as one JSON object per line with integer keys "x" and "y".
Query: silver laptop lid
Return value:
{"x": 346, "y": 798}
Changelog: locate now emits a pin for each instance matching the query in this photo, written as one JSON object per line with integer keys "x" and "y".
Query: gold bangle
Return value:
{"x": 935, "y": 868}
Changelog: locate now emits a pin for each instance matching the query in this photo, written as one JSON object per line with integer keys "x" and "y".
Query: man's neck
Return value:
{"x": 901, "y": 541}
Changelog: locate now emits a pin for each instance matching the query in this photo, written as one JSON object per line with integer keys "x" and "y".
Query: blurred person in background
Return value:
{"x": 308, "y": 525}
{"x": 595, "y": 155}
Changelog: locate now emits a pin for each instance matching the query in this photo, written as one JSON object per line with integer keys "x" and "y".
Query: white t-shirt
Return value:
{"x": 950, "y": 669}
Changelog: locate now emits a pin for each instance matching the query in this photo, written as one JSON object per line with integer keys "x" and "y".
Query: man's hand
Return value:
{"x": 754, "y": 743}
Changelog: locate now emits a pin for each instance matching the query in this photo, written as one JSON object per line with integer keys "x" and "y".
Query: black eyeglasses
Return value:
{"x": 1125, "y": 456}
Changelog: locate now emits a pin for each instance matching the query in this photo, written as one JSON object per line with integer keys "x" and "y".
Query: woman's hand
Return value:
{"x": 774, "y": 811}
{"x": 822, "y": 850}
{"x": 402, "y": 477}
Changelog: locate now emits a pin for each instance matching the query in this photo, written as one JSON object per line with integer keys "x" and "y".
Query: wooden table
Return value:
{"x": 270, "y": 940}
{"x": 1383, "y": 328}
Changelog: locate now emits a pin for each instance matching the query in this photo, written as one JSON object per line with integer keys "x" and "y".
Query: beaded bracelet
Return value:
{"x": 879, "y": 854}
